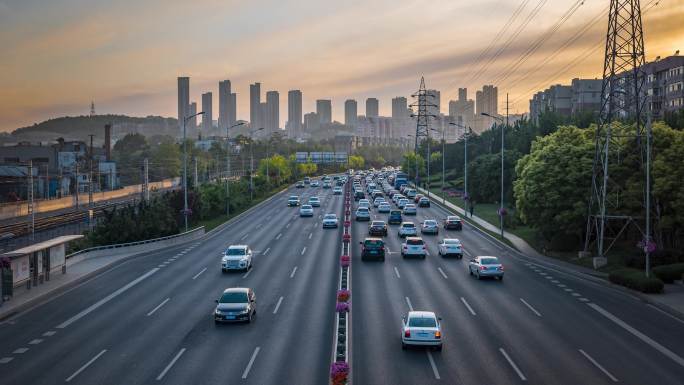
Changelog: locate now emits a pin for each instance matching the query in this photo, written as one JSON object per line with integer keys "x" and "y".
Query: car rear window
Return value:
{"x": 451, "y": 242}
{"x": 330, "y": 216}
{"x": 235, "y": 297}
{"x": 378, "y": 223}
{"x": 373, "y": 243}
{"x": 430, "y": 223}
{"x": 414, "y": 241}
{"x": 489, "y": 261}
{"x": 420, "y": 322}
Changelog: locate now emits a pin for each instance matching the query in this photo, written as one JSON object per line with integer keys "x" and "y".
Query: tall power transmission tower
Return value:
{"x": 622, "y": 97}
{"x": 92, "y": 108}
{"x": 423, "y": 104}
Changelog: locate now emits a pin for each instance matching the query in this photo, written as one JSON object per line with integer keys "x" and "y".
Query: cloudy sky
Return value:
{"x": 125, "y": 55}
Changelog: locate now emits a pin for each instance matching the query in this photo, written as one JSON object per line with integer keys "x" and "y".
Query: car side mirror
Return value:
{"x": 360, "y": 243}
{"x": 439, "y": 318}
{"x": 403, "y": 319}
{"x": 216, "y": 300}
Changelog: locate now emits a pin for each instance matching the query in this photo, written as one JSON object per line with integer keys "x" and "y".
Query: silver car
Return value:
{"x": 363, "y": 214}
{"x": 315, "y": 202}
{"x": 236, "y": 257}
{"x": 384, "y": 207}
{"x": 406, "y": 229}
{"x": 402, "y": 203}
{"x": 486, "y": 266}
{"x": 306, "y": 211}
{"x": 235, "y": 304}
{"x": 330, "y": 221}
{"x": 410, "y": 209}
{"x": 429, "y": 226}
{"x": 421, "y": 328}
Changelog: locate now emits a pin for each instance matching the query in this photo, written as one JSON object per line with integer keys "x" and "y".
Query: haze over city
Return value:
{"x": 126, "y": 56}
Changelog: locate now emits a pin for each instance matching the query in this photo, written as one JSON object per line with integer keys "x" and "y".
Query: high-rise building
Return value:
{"x": 192, "y": 122}
{"x": 462, "y": 111}
{"x": 263, "y": 111}
{"x": 224, "y": 105}
{"x": 487, "y": 100}
{"x": 399, "y": 108}
{"x": 232, "y": 111}
{"x": 183, "y": 100}
{"x": 324, "y": 111}
{"x": 207, "y": 109}
{"x": 402, "y": 124}
{"x": 582, "y": 96}
{"x": 434, "y": 102}
{"x": 272, "y": 116}
{"x": 312, "y": 122}
{"x": 255, "y": 105}
{"x": 372, "y": 108}
{"x": 294, "y": 114}
{"x": 350, "y": 113}
{"x": 462, "y": 94}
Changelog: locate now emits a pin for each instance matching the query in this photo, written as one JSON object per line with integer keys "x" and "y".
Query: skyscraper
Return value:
{"x": 294, "y": 114}
{"x": 324, "y": 111}
{"x": 192, "y": 123}
{"x": 372, "y": 107}
{"x": 224, "y": 105}
{"x": 487, "y": 100}
{"x": 312, "y": 122}
{"x": 351, "y": 113}
{"x": 232, "y": 111}
{"x": 462, "y": 94}
{"x": 272, "y": 116}
{"x": 434, "y": 99}
{"x": 399, "y": 108}
{"x": 255, "y": 105}
{"x": 183, "y": 100}
{"x": 208, "y": 115}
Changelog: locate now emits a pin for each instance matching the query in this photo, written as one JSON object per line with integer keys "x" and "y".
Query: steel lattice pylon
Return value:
{"x": 422, "y": 120}
{"x": 622, "y": 98}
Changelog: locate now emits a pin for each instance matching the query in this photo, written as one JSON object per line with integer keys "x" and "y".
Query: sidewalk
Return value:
{"x": 24, "y": 298}
{"x": 671, "y": 300}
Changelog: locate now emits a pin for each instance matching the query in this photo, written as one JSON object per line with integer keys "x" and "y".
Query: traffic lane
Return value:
{"x": 107, "y": 313}
{"x": 306, "y": 317}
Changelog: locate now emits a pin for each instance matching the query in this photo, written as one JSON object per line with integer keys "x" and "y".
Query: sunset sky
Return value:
{"x": 125, "y": 55}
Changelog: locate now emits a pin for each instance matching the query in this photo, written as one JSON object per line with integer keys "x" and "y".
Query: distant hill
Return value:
{"x": 80, "y": 127}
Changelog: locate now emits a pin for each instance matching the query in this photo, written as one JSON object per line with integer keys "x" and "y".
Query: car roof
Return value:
{"x": 313, "y": 198}
{"x": 414, "y": 238}
{"x": 421, "y": 314}
{"x": 424, "y": 198}
{"x": 306, "y": 206}
{"x": 407, "y": 223}
{"x": 378, "y": 222}
{"x": 235, "y": 247}
{"x": 453, "y": 217}
{"x": 430, "y": 220}
{"x": 373, "y": 239}
{"x": 236, "y": 290}
{"x": 451, "y": 240}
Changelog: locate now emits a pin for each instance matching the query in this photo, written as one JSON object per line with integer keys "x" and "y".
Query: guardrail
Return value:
{"x": 134, "y": 247}
{"x": 340, "y": 368}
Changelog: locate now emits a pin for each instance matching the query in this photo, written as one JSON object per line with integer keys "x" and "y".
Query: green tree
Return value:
{"x": 356, "y": 162}
{"x": 408, "y": 165}
{"x": 166, "y": 161}
{"x": 278, "y": 168}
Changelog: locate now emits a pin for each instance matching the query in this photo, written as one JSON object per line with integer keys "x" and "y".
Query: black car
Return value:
{"x": 377, "y": 228}
{"x": 373, "y": 248}
{"x": 453, "y": 222}
{"x": 358, "y": 194}
{"x": 395, "y": 217}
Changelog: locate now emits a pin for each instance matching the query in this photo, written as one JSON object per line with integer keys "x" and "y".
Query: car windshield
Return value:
{"x": 410, "y": 206}
{"x": 306, "y": 207}
{"x": 236, "y": 251}
{"x": 452, "y": 219}
{"x": 330, "y": 216}
{"x": 430, "y": 223}
{"x": 378, "y": 223}
{"x": 373, "y": 243}
{"x": 414, "y": 241}
{"x": 293, "y": 198}
{"x": 452, "y": 242}
{"x": 362, "y": 209}
{"x": 234, "y": 297}
{"x": 421, "y": 322}
{"x": 408, "y": 225}
{"x": 313, "y": 199}
{"x": 395, "y": 212}
{"x": 489, "y": 261}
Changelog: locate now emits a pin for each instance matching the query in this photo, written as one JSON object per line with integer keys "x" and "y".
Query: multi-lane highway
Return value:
{"x": 149, "y": 320}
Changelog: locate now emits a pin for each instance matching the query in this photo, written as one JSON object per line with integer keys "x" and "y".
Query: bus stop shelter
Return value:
{"x": 33, "y": 264}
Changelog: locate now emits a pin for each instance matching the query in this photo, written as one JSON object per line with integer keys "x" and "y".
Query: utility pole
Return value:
{"x": 78, "y": 184}
{"x": 501, "y": 208}
{"x": 31, "y": 209}
{"x": 47, "y": 181}
{"x": 422, "y": 126}
{"x": 90, "y": 176}
{"x": 146, "y": 181}
{"x": 196, "y": 175}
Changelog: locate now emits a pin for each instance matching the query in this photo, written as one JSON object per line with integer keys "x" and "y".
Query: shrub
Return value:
{"x": 343, "y": 295}
{"x": 636, "y": 280}
{"x": 342, "y": 307}
{"x": 669, "y": 273}
{"x": 339, "y": 372}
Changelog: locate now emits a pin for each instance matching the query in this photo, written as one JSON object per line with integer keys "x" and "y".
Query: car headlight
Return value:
{"x": 244, "y": 311}
{"x": 217, "y": 312}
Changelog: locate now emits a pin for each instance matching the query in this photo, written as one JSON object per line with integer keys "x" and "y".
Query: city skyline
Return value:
{"x": 134, "y": 73}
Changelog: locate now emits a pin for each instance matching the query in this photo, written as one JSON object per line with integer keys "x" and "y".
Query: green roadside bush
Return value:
{"x": 636, "y": 280}
{"x": 669, "y": 273}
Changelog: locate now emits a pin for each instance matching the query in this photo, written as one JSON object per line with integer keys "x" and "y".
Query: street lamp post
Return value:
{"x": 185, "y": 169}
{"x": 228, "y": 166}
{"x": 466, "y": 132}
{"x": 415, "y": 157}
{"x": 251, "y": 162}
{"x": 443, "y": 149}
{"x": 501, "y": 205}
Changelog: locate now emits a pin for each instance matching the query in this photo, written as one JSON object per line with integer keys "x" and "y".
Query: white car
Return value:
{"x": 236, "y": 257}
{"x": 410, "y": 209}
{"x": 315, "y": 183}
{"x": 407, "y": 229}
{"x": 306, "y": 211}
{"x": 377, "y": 201}
{"x": 413, "y": 247}
{"x": 384, "y": 207}
{"x": 363, "y": 214}
{"x": 330, "y": 221}
{"x": 315, "y": 202}
{"x": 421, "y": 328}
{"x": 365, "y": 202}
{"x": 486, "y": 266}
{"x": 337, "y": 190}
{"x": 429, "y": 226}
{"x": 402, "y": 203}
{"x": 450, "y": 246}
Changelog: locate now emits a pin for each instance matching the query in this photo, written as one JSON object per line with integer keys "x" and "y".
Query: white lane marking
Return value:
{"x": 666, "y": 313}
{"x": 160, "y": 266}
{"x": 5, "y": 360}
{"x": 293, "y": 272}
{"x": 408, "y": 302}
{"x": 35, "y": 341}
{"x": 601, "y": 368}
{"x": 670, "y": 354}
{"x": 288, "y": 225}
{"x": 244, "y": 237}
{"x": 568, "y": 290}
{"x": 515, "y": 367}
{"x": 432, "y": 363}
{"x": 576, "y": 294}
{"x": 251, "y": 361}
{"x": 542, "y": 273}
{"x": 278, "y": 236}
{"x": 554, "y": 281}
{"x": 530, "y": 307}
{"x": 396, "y": 271}
{"x": 106, "y": 299}
{"x": 267, "y": 250}
{"x": 310, "y": 235}
{"x": 467, "y": 253}
{"x": 470, "y": 309}
{"x": 84, "y": 367}
{"x": 158, "y": 306}
{"x": 20, "y": 351}
{"x": 583, "y": 299}
{"x": 280, "y": 300}
{"x": 168, "y": 367}
{"x": 548, "y": 277}
{"x": 442, "y": 272}
{"x": 303, "y": 250}
{"x": 246, "y": 274}
{"x": 561, "y": 285}
{"x": 200, "y": 273}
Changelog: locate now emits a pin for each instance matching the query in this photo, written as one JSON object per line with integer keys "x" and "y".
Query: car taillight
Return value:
{"x": 438, "y": 334}
{"x": 407, "y": 333}
{"x": 483, "y": 267}
{"x": 501, "y": 268}
{"x": 423, "y": 247}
